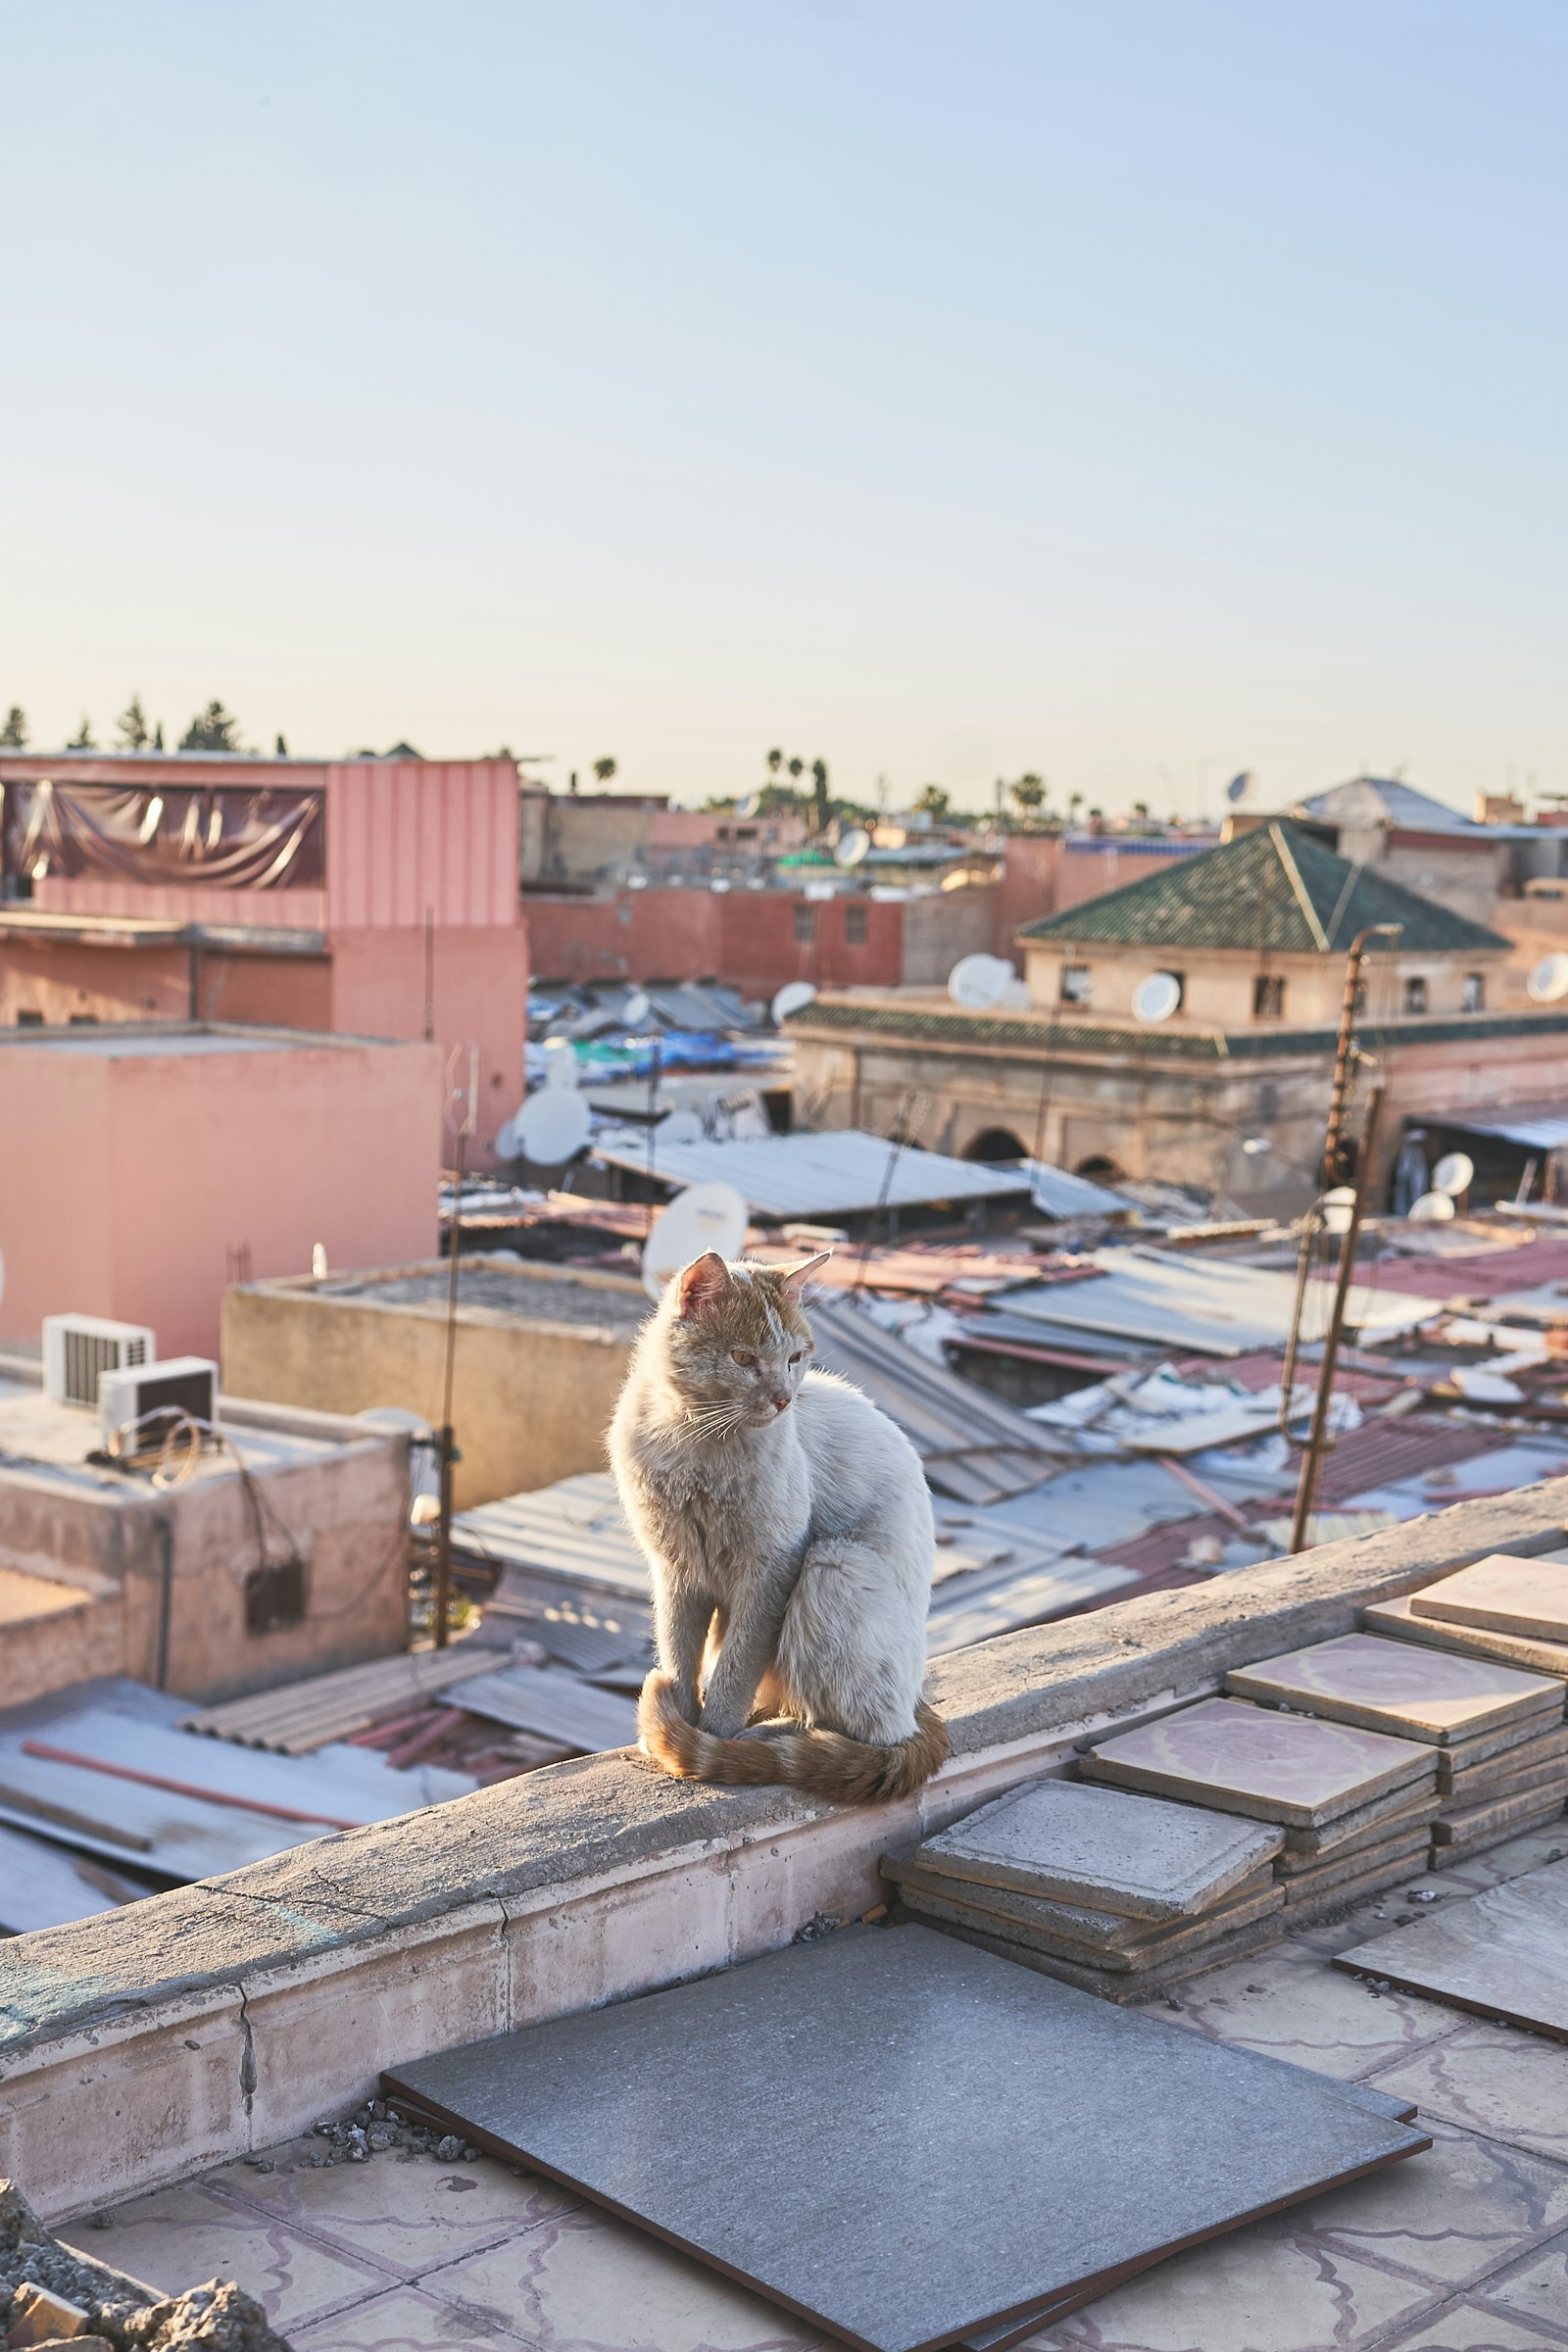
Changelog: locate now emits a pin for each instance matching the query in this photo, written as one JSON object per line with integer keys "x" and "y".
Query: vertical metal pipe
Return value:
{"x": 1318, "y": 1434}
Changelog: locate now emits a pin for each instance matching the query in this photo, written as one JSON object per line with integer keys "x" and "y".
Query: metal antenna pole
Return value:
{"x": 1328, "y": 1166}
{"x": 461, "y": 1113}
{"x": 1318, "y": 1434}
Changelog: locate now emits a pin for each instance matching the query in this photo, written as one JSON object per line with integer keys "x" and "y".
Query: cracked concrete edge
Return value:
{"x": 599, "y": 1820}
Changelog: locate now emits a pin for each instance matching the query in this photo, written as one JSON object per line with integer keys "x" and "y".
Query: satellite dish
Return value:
{"x": 560, "y": 1062}
{"x": 719, "y": 886}
{"x": 978, "y": 982}
{"x": 551, "y": 1126}
{"x": 705, "y": 1216}
{"x": 636, "y": 1008}
{"x": 1338, "y": 1206}
{"x": 1454, "y": 1173}
{"x": 636, "y": 881}
{"x": 793, "y": 996}
{"x": 853, "y": 847}
{"x": 1238, "y": 787}
{"x": 1548, "y": 979}
{"x": 1015, "y": 997}
{"x": 1432, "y": 1208}
{"x": 1156, "y": 998}
{"x": 749, "y": 804}
{"x": 1256, "y": 1145}
{"x": 820, "y": 891}
{"x": 681, "y": 1127}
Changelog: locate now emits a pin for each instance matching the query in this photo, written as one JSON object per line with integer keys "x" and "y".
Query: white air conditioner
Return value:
{"x": 141, "y": 1393}
{"x": 77, "y": 1349}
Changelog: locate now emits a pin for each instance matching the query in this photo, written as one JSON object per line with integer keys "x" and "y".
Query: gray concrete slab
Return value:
{"x": 1503, "y": 1953}
{"x": 1188, "y": 1940}
{"x": 1103, "y": 1850}
{"x": 1269, "y": 1766}
{"x": 899, "y": 2137}
{"x": 1097, "y": 1931}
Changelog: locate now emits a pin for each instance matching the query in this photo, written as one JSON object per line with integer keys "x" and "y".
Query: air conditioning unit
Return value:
{"x": 182, "y": 1383}
{"x": 77, "y": 1349}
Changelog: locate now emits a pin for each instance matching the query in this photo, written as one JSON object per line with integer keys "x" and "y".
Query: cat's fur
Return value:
{"x": 788, "y": 1529}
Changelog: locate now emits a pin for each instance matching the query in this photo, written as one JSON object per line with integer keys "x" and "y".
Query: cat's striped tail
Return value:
{"x": 827, "y": 1764}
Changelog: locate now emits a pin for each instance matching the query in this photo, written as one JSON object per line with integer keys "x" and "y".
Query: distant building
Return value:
{"x": 372, "y": 897}
{"x": 1469, "y": 864}
{"x": 1253, "y": 934}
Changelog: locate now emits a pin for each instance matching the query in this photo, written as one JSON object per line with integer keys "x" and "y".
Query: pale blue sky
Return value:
{"x": 1136, "y": 390}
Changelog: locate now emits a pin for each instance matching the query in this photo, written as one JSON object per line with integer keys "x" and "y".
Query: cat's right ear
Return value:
{"x": 701, "y": 1285}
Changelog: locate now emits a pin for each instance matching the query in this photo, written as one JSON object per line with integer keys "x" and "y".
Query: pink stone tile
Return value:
{"x": 181, "y": 2237}
{"x": 405, "y": 2211}
{"x": 1495, "y": 2080}
{"x": 1468, "y": 2327}
{"x": 1245, "y": 1759}
{"x": 1537, "y": 2289}
{"x": 1289, "y": 2003}
{"x": 1449, "y": 2215}
{"x": 585, "y": 2282}
{"x": 403, "y": 2321}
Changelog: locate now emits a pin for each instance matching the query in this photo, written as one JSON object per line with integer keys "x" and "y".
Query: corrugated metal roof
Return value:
{"x": 574, "y": 1529}
{"x": 1057, "y": 1194}
{"x": 1380, "y": 799}
{"x": 815, "y": 1175}
{"x": 1498, "y": 1274}
{"x": 1276, "y": 887}
{"x": 1206, "y": 1306}
{"x": 1382, "y": 1452}
{"x": 41, "y": 1886}
{"x": 1540, "y": 1126}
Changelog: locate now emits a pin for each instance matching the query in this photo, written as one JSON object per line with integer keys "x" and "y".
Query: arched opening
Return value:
{"x": 1100, "y": 1168}
{"x": 994, "y": 1144}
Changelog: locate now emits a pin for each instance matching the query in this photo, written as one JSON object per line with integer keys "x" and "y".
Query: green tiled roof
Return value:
{"x": 1275, "y": 887}
{"x": 1030, "y": 1035}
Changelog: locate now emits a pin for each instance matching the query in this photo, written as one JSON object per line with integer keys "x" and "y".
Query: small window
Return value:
{"x": 1415, "y": 993}
{"x": 1268, "y": 997}
{"x": 30, "y": 1020}
{"x": 854, "y": 925}
{"x": 82, "y": 1020}
{"x": 1474, "y": 999}
{"x": 274, "y": 1596}
{"x": 1075, "y": 983}
{"x": 804, "y": 923}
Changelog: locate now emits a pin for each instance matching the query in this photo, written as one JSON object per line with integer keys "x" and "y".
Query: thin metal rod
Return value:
{"x": 1318, "y": 1434}
{"x": 442, "y": 1596}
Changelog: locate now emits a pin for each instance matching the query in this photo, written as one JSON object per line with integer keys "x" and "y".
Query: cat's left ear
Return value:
{"x": 791, "y": 1277}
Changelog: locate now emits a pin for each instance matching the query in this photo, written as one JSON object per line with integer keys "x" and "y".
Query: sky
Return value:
{"x": 1132, "y": 392}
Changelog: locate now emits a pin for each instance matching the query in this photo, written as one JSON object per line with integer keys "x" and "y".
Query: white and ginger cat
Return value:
{"x": 788, "y": 1529}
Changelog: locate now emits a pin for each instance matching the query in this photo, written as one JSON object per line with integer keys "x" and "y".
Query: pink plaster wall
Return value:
{"x": 480, "y": 994}
{"x": 130, "y": 1176}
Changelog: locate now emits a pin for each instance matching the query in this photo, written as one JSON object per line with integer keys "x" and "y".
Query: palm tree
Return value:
{"x": 1075, "y": 800}
{"x": 775, "y": 760}
{"x": 796, "y": 768}
{"x": 1029, "y": 792}
{"x": 604, "y": 769}
{"x": 931, "y": 801}
{"x": 818, "y": 795}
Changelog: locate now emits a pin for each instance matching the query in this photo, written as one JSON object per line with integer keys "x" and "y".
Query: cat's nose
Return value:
{"x": 779, "y": 1404}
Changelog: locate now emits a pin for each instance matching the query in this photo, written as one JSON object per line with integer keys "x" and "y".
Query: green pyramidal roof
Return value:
{"x": 1274, "y": 887}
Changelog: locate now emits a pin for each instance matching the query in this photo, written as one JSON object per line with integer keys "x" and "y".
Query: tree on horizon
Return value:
{"x": 13, "y": 734}
{"x": 604, "y": 769}
{"x": 83, "y": 740}
{"x": 131, "y": 726}
{"x": 214, "y": 729}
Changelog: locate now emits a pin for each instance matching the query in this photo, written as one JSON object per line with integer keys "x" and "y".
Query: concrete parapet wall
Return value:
{"x": 146, "y": 2044}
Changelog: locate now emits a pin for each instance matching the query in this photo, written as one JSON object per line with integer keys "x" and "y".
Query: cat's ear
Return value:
{"x": 701, "y": 1285}
{"x": 791, "y": 1277}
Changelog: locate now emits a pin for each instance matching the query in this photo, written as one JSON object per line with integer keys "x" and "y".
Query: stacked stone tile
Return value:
{"x": 1498, "y": 1732}
{"x": 1501, "y": 1614}
{"x": 1115, "y": 1894}
{"x": 1353, "y": 1808}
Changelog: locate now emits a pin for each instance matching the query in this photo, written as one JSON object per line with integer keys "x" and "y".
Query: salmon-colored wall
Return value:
{"x": 59, "y": 979}
{"x": 481, "y": 995}
{"x": 411, "y": 839}
{"x": 745, "y": 937}
{"x": 276, "y": 991}
{"x": 129, "y": 1177}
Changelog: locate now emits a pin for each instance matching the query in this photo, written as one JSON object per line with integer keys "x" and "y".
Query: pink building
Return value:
{"x": 145, "y": 1168}
{"x": 372, "y": 897}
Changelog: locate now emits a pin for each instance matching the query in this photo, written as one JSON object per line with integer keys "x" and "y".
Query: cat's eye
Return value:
{"x": 798, "y": 1359}
{"x": 743, "y": 1355}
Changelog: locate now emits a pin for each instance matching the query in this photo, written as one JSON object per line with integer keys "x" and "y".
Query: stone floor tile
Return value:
{"x": 1290, "y": 2004}
{"x": 584, "y": 2280}
{"x": 1533, "y": 1851}
{"x": 1449, "y": 2215}
{"x": 1256, "y": 2290}
{"x": 181, "y": 2237}
{"x": 1466, "y": 2327}
{"x": 1539, "y": 2288}
{"x": 1375, "y": 1914}
{"x": 402, "y": 2209}
{"x": 1494, "y": 2079}
{"x": 403, "y": 2321}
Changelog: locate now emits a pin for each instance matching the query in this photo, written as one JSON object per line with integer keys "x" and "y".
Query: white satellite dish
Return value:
{"x": 551, "y": 1126}
{"x": 681, "y": 1127}
{"x": 749, "y": 804}
{"x": 636, "y": 881}
{"x": 705, "y": 1216}
{"x": 1015, "y": 997}
{"x": 978, "y": 982}
{"x": 1238, "y": 787}
{"x": 1548, "y": 979}
{"x": 1454, "y": 1173}
{"x": 636, "y": 1008}
{"x": 1432, "y": 1208}
{"x": 821, "y": 891}
{"x": 1156, "y": 996}
{"x": 853, "y": 847}
{"x": 560, "y": 1062}
{"x": 793, "y": 996}
{"x": 719, "y": 886}
{"x": 1338, "y": 1206}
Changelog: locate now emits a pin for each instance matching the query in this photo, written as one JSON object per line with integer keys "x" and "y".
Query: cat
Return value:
{"x": 789, "y": 1535}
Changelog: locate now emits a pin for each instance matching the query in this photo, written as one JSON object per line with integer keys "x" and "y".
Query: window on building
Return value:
{"x": 1415, "y": 993}
{"x": 1474, "y": 999}
{"x": 30, "y": 1020}
{"x": 1268, "y": 997}
{"x": 856, "y": 927}
{"x": 1075, "y": 983}
{"x": 804, "y": 923}
{"x": 82, "y": 1020}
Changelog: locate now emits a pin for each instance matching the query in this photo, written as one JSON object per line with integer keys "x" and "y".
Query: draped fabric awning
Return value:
{"x": 225, "y": 837}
